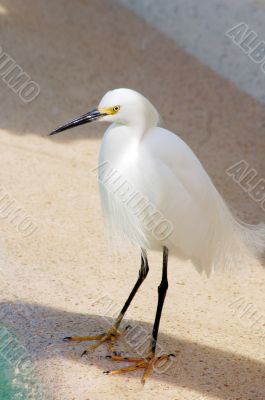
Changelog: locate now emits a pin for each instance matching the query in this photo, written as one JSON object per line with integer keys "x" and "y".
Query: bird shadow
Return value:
{"x": 202, "y": 368}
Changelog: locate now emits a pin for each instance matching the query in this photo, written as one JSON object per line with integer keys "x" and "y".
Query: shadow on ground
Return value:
{"x": 204, "y": 369}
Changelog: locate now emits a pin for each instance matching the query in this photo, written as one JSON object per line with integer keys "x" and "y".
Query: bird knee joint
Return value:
{"x": 143, "y": 273}
{"x": 162, "y": 288}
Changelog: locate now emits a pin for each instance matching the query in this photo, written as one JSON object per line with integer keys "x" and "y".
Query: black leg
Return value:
{"x": 162, "y": 290}
{"x": 113, "y": 333}
{"x": 147, "y": 363}
{"x": 142, "y": 275}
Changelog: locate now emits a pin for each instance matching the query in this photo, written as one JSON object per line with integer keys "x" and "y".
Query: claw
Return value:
{"x": 110, "y": 336}
{"x": 84, "y": 353}
{"x": 147, "y": 364}
{"x": 82, "y": 338}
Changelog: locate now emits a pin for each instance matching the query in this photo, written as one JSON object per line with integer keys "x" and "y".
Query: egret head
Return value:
{"x": 121, "y": 106}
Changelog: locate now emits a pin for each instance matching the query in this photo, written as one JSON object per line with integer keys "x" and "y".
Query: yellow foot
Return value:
{"x": 148, "y": 364}
{"x": 111, "y": 336}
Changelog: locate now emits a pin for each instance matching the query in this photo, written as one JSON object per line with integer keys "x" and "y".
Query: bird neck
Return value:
{"x": 139, "y": 128}
{"x": 143, "y": 121}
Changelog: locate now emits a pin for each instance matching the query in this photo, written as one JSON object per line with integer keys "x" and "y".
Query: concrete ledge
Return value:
{"x": 200, "y": 28}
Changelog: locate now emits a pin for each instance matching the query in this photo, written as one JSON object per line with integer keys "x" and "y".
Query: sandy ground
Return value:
{"x": 60, "y": 279}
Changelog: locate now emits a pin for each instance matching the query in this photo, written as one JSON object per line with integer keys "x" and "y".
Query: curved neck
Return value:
{"x": 141, "y": 122}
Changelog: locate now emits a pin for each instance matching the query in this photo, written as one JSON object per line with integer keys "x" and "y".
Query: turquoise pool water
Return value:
{"x": 8, "y": 387}
{"x": 18, "y": 380}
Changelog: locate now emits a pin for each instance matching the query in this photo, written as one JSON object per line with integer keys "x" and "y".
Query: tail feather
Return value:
{"x": 253, "y": 238}
{"x": 231, "y": 243}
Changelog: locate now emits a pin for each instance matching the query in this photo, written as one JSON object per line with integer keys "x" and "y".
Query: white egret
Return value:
{"x": 178, "y": 209}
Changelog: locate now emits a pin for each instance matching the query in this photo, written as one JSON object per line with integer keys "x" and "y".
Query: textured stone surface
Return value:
{"x": 52, "y": 282}
{"x": 199, "y": 27}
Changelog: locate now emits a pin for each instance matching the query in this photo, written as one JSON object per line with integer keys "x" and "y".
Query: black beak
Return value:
{"x": 83, "y": 119}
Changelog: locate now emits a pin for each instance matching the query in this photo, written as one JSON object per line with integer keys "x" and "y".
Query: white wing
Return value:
{"x": 170, "y": 179}
{"x": 205, "y": 231}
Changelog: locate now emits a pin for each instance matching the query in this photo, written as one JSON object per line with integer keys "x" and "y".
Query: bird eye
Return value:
{"x": 116, "y": 108}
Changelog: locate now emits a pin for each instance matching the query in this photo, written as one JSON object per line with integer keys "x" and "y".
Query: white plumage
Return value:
{"x": 138, "y": 157}
{"x": 155, "y": 192}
